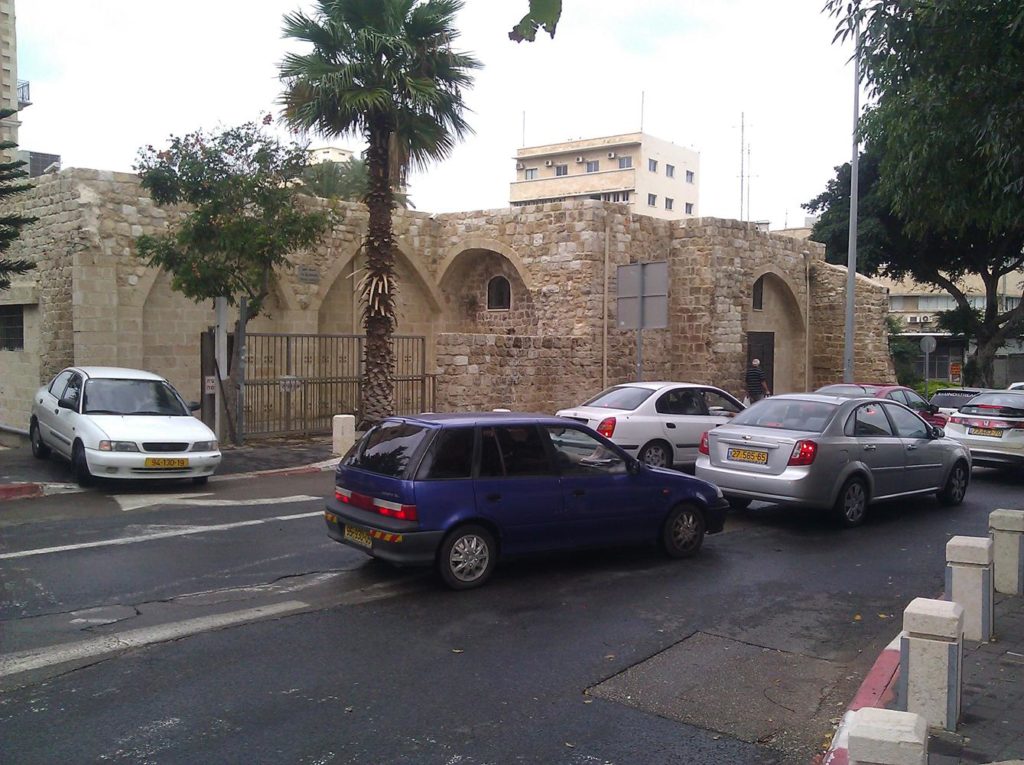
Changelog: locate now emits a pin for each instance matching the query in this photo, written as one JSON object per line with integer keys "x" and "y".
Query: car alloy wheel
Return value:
{"x": 852, "y": 505}
{"x": 683, "y": 532}
{"x": 467, "y": 557}
{"x": 39, "y": 450}
{"x": 655, "y": 454}
{"x": 956, "y": 485}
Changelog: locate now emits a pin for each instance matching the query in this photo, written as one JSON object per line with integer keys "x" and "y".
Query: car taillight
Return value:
{"x": 704, "y": 447}
{"x": 363, "y": 502}
{"x": 956, "y": 420}
{"x": 607, "y": 427}
{"x": 804, "y": 453}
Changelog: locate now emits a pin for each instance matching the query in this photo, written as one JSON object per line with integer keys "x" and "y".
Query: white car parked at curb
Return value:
{"x": 121, "y": 423}
{"x": 659, "y": 422}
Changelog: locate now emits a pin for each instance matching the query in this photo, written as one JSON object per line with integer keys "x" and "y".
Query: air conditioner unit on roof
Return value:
{"x": 579, "y": 160}
{"x": 925, "y": 319}
{"x": 611, "y": 155}
{"x": 548, "y": 162}
{"x": 912, "y": 319}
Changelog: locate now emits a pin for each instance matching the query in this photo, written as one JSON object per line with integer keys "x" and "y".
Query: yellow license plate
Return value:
{"x": 166, "y": 462}
{"x": 358, "y": 536}
{"x": 991, "y": 432}
{"x": 748, "y": 455}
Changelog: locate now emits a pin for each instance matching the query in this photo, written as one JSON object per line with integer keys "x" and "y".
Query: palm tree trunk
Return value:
{"x": 378, "y": 287}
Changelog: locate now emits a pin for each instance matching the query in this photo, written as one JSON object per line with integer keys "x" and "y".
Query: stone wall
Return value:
{"x": 557, "y": 344}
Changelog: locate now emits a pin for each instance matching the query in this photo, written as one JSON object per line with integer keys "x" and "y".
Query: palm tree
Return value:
{"x": 385, "y": 70}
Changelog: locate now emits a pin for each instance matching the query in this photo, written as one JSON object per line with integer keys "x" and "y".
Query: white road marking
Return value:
{"x": 134, "y": 502}
{"x": 25, "y": 661}
{"x": 179, "y": 532}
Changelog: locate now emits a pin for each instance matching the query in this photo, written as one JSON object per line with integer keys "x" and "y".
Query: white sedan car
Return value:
{"x": 991, "y": 425}
{"x": 121, "y": 423}
{"x": 659, "y": 422}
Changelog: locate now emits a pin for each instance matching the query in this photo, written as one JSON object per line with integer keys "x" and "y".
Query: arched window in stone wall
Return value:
{"x": 499, "y": 294}
{"x": 758, "y": 302}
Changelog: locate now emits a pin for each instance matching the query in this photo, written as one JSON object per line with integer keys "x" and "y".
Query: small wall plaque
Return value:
{"x": 308, "y": 275}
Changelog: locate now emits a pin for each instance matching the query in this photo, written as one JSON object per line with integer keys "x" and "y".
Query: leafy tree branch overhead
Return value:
{"x": 544, "y": 14}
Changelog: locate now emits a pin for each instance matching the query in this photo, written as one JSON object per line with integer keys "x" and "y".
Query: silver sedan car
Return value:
{"x": 830, "y": 452}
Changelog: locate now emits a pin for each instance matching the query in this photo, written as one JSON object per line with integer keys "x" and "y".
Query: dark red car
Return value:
{"x": 901, "y": 393}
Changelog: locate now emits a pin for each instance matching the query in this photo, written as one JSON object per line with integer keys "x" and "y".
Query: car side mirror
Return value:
{"x": 633, "y": 467}
{"x": 194, "y": 406}
{"x": 67, "y": 403}
{"x": 933, "y": 408}
{"x": 938, "y": 432}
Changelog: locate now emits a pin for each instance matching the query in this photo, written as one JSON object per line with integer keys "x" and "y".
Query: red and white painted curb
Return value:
{"x": 877, "y": 690}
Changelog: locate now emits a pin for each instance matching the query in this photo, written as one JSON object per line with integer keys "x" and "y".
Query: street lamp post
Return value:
{"x": 851, "y": 258}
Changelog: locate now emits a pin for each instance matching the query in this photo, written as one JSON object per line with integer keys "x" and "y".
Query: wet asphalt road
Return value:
{"x": 376, "y": 665}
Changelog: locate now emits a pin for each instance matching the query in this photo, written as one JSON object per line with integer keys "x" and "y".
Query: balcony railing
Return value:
{"x": 24, "y": 95}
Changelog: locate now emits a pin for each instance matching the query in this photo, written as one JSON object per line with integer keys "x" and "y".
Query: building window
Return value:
{"x": 668, "y": 203}
{"x": 499, "y": 294}
{"x": 561, "y": 169}
{"x": 12, "y": 328}
{"x": 593, "y": 165}
{"x": 531, "y": 174}
{"x": 759, "y": 294}
{"x": 689, "y": 176}
{"x": 670, "y": 171}
{"x": 652, "y": 200}
{"x": 652, "y": 165}
{"x": 625, "y": 163}
{"x": 689, "y": 208}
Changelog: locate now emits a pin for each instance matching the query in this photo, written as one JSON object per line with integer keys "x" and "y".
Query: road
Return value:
{"x": 162, "y": 624}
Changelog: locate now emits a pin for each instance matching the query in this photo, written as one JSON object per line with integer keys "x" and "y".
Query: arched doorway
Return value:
{"x": 776, "y": 333}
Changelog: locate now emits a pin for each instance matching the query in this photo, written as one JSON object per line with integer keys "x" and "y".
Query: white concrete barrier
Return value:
{"x": 344, "y": 432}
{"x": 931, "y": 661}
{"x": 887, "y": 737}
{"x": 969, "y": 583}
{"x": 1006, "y": 528}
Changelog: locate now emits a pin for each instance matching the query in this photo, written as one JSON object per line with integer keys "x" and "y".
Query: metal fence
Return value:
{"x": 295, "y": 384}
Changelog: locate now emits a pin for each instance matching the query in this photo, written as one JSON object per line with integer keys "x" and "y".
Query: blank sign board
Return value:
{"x": 642, "y": 297}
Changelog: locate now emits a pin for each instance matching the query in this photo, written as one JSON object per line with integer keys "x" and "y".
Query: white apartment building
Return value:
{"x": 654, "y": 177}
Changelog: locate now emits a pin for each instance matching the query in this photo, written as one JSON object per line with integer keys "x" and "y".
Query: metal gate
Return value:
{"x": 295, "y": 384}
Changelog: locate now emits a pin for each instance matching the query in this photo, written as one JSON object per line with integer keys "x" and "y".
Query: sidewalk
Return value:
{"x": 22, "y": 475}
{"x": 991, "y": 728}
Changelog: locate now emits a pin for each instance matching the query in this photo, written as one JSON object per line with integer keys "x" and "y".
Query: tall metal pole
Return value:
{"x": 851, "y": 260}
{"x": 741, "y": 165}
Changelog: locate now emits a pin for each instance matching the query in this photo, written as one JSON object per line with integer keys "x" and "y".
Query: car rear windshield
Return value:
{"x": 999, "y": 404}
{"x": 388, "y": 448}
{"x": 132, "y": 397}
{"x": 620, "y": 397}
{"x": 952, "y": 399}
{"x": 783, "y": 414}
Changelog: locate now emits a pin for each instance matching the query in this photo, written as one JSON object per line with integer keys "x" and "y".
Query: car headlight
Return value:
{"x": 204, "y": 446}
{"x": 118, "y": 446}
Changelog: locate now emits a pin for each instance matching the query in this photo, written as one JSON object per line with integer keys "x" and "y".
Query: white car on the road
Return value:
{"x": 121, "y": 423}
{"x": 991, "y": 425}
{"x": 659, "y": 422}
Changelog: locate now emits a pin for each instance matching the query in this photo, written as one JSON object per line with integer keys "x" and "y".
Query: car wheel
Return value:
{"x": 467, "y": 557}
{"x": 739, "y": 503}
{"x": 851, "y": 506}
{"x": 79, "y": 466}
{"x": 656, "y": 454}
{"x": 956, "y": 485}
{"x": 39, "y": 450}
{"x": 683, "y": 532}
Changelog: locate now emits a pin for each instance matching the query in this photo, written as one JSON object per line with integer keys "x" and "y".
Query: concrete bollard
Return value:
{"x": 344, "y": 432}
{"x": 887, "y": 737}
{"x": 969, "y": 583}
{"x": 1006, "y": 528}
{"x": 931, "y": 661}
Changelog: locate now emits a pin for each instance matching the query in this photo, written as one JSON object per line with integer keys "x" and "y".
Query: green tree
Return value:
{"x": 348, "y": 180}
{"x": 385, "y": 70}
{"x": 904, "y": 352}
{"x": 244, "y": 215}
{"x": 11, "y": 224}
{"x": 544, "y": 14}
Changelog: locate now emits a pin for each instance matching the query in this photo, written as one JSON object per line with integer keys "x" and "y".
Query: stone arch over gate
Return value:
{"x": 782, "y": 314}
{"x": 467, "y": 272}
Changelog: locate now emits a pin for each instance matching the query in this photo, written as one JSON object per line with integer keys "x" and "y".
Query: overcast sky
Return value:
{"x": 109, "y": 76}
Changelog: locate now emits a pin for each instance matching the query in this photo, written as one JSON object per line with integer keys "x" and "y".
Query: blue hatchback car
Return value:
{"x": 460, "y": 491}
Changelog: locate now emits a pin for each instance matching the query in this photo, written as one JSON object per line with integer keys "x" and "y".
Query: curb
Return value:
{"x": 10, "y": 491}
{"x": 877, "y": 690}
